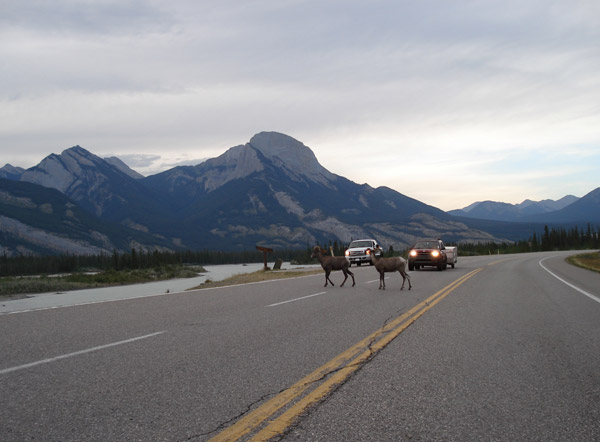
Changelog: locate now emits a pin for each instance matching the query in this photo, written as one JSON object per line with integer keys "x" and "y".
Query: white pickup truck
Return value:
{"x": 359, "y": 251}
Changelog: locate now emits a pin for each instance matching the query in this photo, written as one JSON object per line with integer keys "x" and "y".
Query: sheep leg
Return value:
{"x": 327, "y": 273}
{"x": 381, "y": 281}
{"x": 353, "y": 281}
{"x": 345, "y": 272}
{"x": 404, "y": 278}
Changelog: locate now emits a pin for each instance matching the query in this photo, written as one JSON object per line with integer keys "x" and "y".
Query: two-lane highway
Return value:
{"x": 497, "y": 349}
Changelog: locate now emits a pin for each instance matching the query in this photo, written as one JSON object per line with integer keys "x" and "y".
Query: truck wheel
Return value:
{"x": 417, "y": 267}
{"x": 452, "y": 265}
{"x": 440, "y": 267}
{"x": 411, "y": 267}
{"x": 358, "y": 263}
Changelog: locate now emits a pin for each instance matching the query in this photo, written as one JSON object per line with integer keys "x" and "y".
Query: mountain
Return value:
{"x": 40, "y": 220}
{"x": 492, "y": 210}
{"x": 271, "y": 191}
{"x": 109, "y": 191}
{"x": 529, "y": 207}
{"x": 11, "y": 173}
{"x": 586, "y": 208}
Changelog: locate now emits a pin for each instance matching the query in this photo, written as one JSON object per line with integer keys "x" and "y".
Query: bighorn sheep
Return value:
{"x": 330, "y": 263}
{"x": 396, "y": 263}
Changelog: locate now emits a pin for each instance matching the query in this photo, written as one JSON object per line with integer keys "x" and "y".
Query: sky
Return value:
{"x": 447, "y": 102}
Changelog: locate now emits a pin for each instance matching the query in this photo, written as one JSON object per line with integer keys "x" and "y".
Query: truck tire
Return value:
{"x": 358, "y": 263}
{"x": 440, "y": 267}
{"x": 411, "y": 267}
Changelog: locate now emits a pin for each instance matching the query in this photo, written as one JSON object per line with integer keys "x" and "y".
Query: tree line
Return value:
{"x": 551, "y": 239}
{"x": 136, "y": 259}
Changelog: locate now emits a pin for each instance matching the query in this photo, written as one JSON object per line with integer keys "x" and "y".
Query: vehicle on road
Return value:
{"x": 431, "y": 253}
{"x": 359, "y": 251}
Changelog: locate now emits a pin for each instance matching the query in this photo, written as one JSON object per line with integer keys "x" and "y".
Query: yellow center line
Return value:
{"x": 499, "y": 261}
{"x": 342, "y": 366}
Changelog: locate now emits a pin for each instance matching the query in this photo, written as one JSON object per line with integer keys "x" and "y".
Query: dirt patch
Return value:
{"x": 259, "y": 276}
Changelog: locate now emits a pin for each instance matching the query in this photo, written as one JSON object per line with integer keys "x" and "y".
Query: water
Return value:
{"x": 43, "y": 301}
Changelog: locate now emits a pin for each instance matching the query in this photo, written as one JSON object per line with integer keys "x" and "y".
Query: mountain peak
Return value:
{"x": 11, "y": 172}
{"x": 291, "y": 153}
{"x": 61, "y": 171}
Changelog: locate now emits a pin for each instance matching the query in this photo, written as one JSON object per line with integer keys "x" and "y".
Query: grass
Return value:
{"x": 590, "y": 261}
{"x": 258, "y": 276}
{"x": 13, "y": 287}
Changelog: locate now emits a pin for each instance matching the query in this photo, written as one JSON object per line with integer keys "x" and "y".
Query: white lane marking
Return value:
{"x": 101, "y": 301}
{"x": 77, "y": 353}
{"x": 589, "y": 295}
{"x": 296, "y": 299}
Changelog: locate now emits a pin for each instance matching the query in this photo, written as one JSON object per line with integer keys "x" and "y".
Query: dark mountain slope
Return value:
{"x": 36, "y": 219}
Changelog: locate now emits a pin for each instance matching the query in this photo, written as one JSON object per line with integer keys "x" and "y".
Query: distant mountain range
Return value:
{"x": 512, "y": 212}
{"x": 271, "y": 191}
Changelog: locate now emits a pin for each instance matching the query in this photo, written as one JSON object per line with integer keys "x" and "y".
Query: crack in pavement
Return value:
{"x": 226, "y": 423}
{"x": 357, "y": 365}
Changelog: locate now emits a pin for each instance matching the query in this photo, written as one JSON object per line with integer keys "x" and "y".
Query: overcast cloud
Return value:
{"x": 446, "y": 102}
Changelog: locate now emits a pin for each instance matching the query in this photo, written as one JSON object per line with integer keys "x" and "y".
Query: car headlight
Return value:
{"x": 347, "y": 253}
{"x": 413, "y": 253}
{"x": 435, "y": 253}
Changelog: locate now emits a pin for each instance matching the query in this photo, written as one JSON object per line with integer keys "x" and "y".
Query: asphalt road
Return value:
{"x": 498, "y": 348}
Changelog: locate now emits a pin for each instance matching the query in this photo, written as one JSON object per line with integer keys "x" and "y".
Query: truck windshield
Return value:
{"x": 426, "y": 245}
{"x": 355, "y": 244}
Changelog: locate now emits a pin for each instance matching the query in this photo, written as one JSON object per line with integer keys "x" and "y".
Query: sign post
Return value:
{"x": 264, "y": 250}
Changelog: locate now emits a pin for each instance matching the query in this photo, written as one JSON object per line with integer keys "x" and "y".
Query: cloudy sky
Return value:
{"x": 445, "y": 102}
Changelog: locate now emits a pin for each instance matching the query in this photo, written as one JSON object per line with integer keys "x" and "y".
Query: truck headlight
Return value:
{"x": 347, "y": 253}
{"x": 435, "y": 253}
{"x": 413, "y": 253}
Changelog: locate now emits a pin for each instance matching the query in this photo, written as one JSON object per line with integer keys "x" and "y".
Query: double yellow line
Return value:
{"x": 326, "y": 378}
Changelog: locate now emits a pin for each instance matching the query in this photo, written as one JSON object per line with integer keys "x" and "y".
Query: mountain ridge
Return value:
{"x": 270, "y": 191}
{"x": 500, "y": 211}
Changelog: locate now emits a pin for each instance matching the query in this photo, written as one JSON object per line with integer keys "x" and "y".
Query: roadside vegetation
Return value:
{"x": 18, "y": 286}
{"x": 590, "y": 261}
